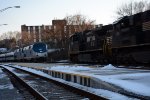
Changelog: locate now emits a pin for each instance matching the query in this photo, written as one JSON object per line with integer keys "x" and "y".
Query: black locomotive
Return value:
{"x": 126, "y": 41}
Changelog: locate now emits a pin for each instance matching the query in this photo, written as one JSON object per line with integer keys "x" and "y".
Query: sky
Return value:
{"x": 38, "y": 12}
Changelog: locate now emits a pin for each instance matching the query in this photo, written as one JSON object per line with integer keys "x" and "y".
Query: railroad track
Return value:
{"x": 44, "y": 89}
{"x": 26, "y": 95}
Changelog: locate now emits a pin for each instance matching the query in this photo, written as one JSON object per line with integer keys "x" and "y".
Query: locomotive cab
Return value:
{"x": 74, "y": 46}
{"x": 123, "y": 34}
{"x": 74, "y": 42}
{"x": 132, "y": 30}
{"x": 131, "y": 38}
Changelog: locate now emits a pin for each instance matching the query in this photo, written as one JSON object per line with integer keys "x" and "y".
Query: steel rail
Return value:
{"x": 91, "y": 96}
{"x": 35, "y": 93}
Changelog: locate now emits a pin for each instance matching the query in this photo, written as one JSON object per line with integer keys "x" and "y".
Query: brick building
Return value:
{"x": 33, "y": 33}
{"x": 59, "y": 31}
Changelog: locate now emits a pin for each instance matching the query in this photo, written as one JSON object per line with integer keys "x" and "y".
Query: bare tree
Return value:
{"x": 10, "y": 39}
{"x": 26, "y": 40}
{"x": 132, "y": 7}
{"x": 18, "y": 36}
{"x": 75, "y": 23}
{"x": 18, "y": 39}
{"x": 80, "y": 22}
{"x": 9, "y": 35}
{"x": 46, "y": 35}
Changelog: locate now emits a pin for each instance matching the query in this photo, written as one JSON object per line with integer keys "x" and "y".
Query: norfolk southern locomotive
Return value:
{"x": 126, "y": 41}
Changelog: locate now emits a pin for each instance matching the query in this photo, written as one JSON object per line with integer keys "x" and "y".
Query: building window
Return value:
{"x": 65, "y": 29}
{"x": 49, "y": 27}
{"x": 54, "y": 27}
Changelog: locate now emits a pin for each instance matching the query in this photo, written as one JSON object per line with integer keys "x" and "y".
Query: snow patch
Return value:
{"x": 111, "y": 95}
{"x": 2, "y": 76}
{"x": 70, "y": 68}
{"x": 109, "y": 67}
{"x": 137, "y": 83}
{"x": 63, "y": 61}
{"x": 7, "y": 86}
{"x": 1, "y": 71}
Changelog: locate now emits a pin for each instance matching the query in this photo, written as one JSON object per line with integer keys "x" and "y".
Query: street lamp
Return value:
{"x": 3, "y": 24}
{"x": 16, "y": 6}
{"x": 8, "y": 8}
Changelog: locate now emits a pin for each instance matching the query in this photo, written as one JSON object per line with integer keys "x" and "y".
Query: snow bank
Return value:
{"x": 109, "y": 67}
{"x": 69, "y": 68}
{"x": 137, "y": 82}
{"x": 111, "y": 95}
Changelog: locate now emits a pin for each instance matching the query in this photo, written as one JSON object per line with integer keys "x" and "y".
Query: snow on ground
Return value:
{"x": 7, "y": 86}
{"x": 3, "y": 85}
{"x": 1, "y": 70}
{"x": 63, "y": 61}
{"x": 69, "y": 68}
{"x": 136, "y": 81}
{"x": 111, "y": 95}
{"x": 109, "y": 67}
{"x": 1, "y": 74}
{"x": 104, "y": 93}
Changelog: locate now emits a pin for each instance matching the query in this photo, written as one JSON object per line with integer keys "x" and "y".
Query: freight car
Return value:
{"x": 126, "y": 41}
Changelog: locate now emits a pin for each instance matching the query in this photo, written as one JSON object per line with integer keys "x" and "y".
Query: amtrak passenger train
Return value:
{"x": 34, "y": 52}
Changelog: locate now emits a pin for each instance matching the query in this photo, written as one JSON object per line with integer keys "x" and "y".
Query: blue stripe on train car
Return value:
{"x": 40, "y": 47}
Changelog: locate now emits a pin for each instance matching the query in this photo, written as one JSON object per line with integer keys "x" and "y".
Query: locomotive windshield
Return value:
{"x": 40, "y": 47}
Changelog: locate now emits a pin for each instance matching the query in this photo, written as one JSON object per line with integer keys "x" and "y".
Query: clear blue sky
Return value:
{"x": 38, "y": 12}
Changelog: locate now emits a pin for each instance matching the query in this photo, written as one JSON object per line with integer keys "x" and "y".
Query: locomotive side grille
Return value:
{"x": 146, "y": 26}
